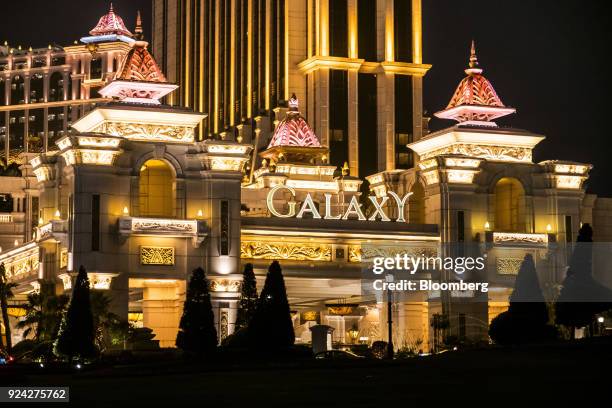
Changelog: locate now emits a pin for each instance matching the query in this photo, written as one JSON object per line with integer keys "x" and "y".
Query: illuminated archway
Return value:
{"x": 509, "y": 205}
{"x": 156, "y": 189}
{"x": 416, "y": 204}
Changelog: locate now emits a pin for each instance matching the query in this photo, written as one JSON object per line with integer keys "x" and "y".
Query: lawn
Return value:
{"x": 544, "y": 374}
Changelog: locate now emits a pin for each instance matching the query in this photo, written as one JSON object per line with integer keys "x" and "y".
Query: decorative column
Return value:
{"x": 386, "y": 88}
{"x": 417, "y": 80}
{"x": 320, "y": 77}
{"x": 162, "y": 306}
{"x": 353, "y": 92}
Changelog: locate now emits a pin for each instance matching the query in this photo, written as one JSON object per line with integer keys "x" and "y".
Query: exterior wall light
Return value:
{"x": 548, "y": 227}
{"x": 57, "y": 214}
{"x": 200, "y": 213}
{"x": 487, "y": 226}
{"x": 126, "y": 212}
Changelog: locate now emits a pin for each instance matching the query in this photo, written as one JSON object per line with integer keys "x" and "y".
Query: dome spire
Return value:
{"x": 293, "y": 103}
{"x": 139, "y": 79}
{"x": 138, "y": 32}
{"x": 110, "y": 24}
{"x": 293, "y": 130}
{"x": 475, "y": 101}
{"x": 473, "y": 66}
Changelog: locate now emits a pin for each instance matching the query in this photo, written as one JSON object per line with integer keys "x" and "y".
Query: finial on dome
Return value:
{"x": 138, "y": 32}
{"x": 111, "y": 8}
{"x": 473, "y": 64}
{"x": 293, "y": 103}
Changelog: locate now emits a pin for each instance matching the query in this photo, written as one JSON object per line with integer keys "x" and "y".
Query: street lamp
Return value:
{"x": 389, "y": 279}
{"x": 601, "y": 320}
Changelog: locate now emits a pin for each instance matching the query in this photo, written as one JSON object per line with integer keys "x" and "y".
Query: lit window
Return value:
{"x": 402, "y": 138}
{"x": 337, "y": 135}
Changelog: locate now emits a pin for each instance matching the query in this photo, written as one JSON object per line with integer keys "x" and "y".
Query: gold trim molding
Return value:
{"x": 295, "y": 251}
{"x": 155, "y": 255}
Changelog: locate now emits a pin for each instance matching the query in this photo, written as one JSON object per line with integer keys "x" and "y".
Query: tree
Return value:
{"x": 106, "y": 323}
{"x": 271, "y": 327}
{"x": 197, "y": 333}
{"x": 248, "y": 298}
{"x": 581, "y": 297}
{"x": 526, "y": 320}
{"x": 76, "y": 335}
{"x": 43, "y": 313}
{"x": 6, "y": 292}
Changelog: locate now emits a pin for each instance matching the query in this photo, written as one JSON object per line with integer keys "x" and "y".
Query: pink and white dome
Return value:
{"x": 293, "y": 130}
{"x": 475, "y": 99}
{"x": 109, "y": 24}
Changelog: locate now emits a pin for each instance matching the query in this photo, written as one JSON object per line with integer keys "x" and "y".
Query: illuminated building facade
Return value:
{"x": 135, "y": 196}
{"x": 355, "y": 65}
{"x": 44, "y": 90}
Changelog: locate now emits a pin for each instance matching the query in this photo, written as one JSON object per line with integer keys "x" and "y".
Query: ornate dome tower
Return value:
{"x": 475, "y": 102}
{"x": 110, "y": 24}
{"x": 294, "y": 140}
{"x": 110, "y": 27}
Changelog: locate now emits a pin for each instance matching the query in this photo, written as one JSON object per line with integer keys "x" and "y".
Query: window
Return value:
{"x": 462, "y": 326}
{"x": 225, "y": 229}
{"x": 402, "y": 15}
{"x": 568, "y": 228}
{"x": 338, "y": 28}
{"x": 460, "y": 226}
{"x": 95, "y": 222}
{"x": 337, "y": 135}
{"x": 509, "y": 205}
{"x": 366, "y": 29}
{"x": 402, "y": 138}
{"x": 156, "y": 189}
{"x": 403, "y": 160}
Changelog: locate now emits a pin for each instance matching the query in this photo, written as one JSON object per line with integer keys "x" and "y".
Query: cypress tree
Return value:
{"x": 271, "y": 328}
{"x": 526, "y": 320}
{"x": 197, "y": 333}
{"x": 76, "y": 334}
{"x": 581, "y": 296}
{"x": 248, "y": 298}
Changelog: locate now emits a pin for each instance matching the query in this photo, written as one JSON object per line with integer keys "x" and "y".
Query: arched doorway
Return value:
{"x": 156, "y": 189}
{"x": 416, "y": 204}
{"x": 509, "y": 205}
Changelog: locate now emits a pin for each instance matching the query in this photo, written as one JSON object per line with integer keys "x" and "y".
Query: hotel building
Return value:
{"x": 137, "y": 196}
{"x": 42, "y": 93}
{"x": 355, "y": 65}
{"x": 45, "y": 90}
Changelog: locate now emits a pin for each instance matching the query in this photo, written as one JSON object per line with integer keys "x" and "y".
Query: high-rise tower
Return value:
{"x": 355, "y": 64}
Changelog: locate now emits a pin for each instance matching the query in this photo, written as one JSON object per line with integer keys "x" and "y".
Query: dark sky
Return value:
{"x": 546, "y": 58}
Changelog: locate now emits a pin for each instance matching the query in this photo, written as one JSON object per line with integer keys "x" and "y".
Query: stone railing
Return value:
{"x": 170, "y": 227}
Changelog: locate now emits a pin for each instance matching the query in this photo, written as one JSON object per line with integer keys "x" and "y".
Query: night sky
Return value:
{"x": 546, "y": 58}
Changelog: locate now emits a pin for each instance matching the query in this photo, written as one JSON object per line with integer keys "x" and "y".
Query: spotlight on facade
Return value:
{"x": 548, "y": 227}
{"x": 57, "y": 214}
{"x": 16, "y": 242}
{"x": 487, "y": 226}
{"x": 40, "y": 221}
{"x": 126, "y": 211}
{"x": 200, "y": 213}
{"x": 600, "y": 319}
